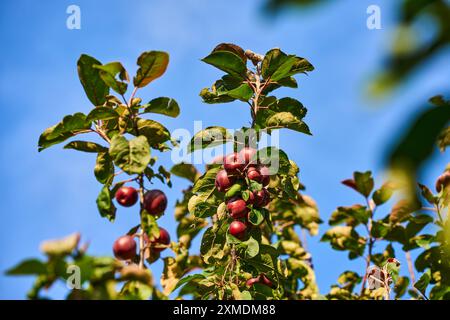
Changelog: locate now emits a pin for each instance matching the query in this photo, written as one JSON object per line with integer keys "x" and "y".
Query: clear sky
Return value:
{"x": 51, "y": 194}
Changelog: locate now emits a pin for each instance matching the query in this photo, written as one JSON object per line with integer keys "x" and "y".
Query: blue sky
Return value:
{"x": 51, "y": 194}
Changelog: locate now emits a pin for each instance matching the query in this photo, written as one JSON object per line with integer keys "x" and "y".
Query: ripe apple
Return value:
{"x": 126, "y": 196}
{"x": 254, "y": 174}
{"x": 237, "y": 229}
{"x": 250, "y": 282}
{"x": 124, "y": 248}
{"x": 237, "y": 208}
{"x": 164, "y": 239}
{"x": 223, "y": 181}
{"x": 262, "y": 198}
{"x": 265, "y": 175}
{"x": 155, "y": 202}
{"x": 443, "y": 180}
{"x": 246, "y": 154}
{"x": 232, "y": 163}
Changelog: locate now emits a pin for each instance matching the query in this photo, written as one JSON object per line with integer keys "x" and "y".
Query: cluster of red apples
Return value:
{"x": 241, "y": 168}
{"x": 155, "y": 203}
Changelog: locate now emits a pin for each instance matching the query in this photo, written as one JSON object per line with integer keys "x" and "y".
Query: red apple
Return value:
{"x": 237, "y": 229}
{"x": 124, "y": 248}
{"x": 443, "y": 180}
{"x": 250, "y": 282}
{"x": 155, "y": 202}
{"x": 246, "y": 154}
{"x": 265, "y": 175}
{"x": 223, "y": 181}
{"x": 232, "y": 163}
{"x": 237, "y": 208}
{"x": 262, "y": 198}
{"x": 254, "y": 174}
{"x": 164, "y": 239}
{"x": 127, "y": 196}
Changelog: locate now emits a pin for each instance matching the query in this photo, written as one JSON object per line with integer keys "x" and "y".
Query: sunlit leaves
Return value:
{"x": 154, "y": 131}
{"x": 227, "y": 61}
{"x": 105, "y": 205}
{"x": 275, "y": 159}
{"x": 352, "y": 216}
{"x": 68, "y": 127}
{"x": 163, "y": 105}
{"x": 277, "y": 65}
{"x": 28, "y": 267}
{"x": 131, "y": 156}
{"x": 149, "y": 225}
{"x": 212, "y": 244}
{"x": 210, "y": 137}
{"x": 102, "y": 113}
{"x": 227, "y": 89}
{"x": 185, "y": 170}
{"x": 152, "y": 65}
{"x": 104, "y": 168}
{"x": 230, "y": 47}
{"x": 423, "y": 282}
{"x": 85, "y": 146}
{"x": 383, "y": 194}
{"x": 284, "y": 113}
{"x": 108, "y": 74}
{"x": 95, "y": 88}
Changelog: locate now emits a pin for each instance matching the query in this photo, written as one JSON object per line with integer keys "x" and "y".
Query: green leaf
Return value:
{"x": 28, "y": 267}
{"x": 230, "y": 47}
{"x": 383, "y": 194}
{"x": 227, "y": 89}
{"x": 102, "y": 113}
{"x": 402, "y": 209}
{"x": 213, "y": 242}
{"x": 188, "y": 279}
{"x": 251, "y": 248}
{"x": 105, "y": 205}
{"x": 149, "y": 225}
{"x": 284, "y": 113}
{"x": 256, "y": 217}
{"x": 277, "y": 65}
{"x": 95, "y": 88}
{"x": 131, "y": 156}
{"x": 210, "y": 137}
{"x": 108, "y": 73}
{"x": 352, "y": 216}
{"x": 423, "y": 282}
{"x": 68, "y": 127}
{"x": 227, "y": 61}
{"x": 85, "y": 146}
{"x": 185, "y": 170}
{"x": 104, "y": 168}
{"x": 275, "y": 159}
{"x": 364, "y": 182}
{"x": 206, "y": 182}
{"x": 163, "y": 105}
{"x": 152, "y": 65}
{"x": 154, "y": 131}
